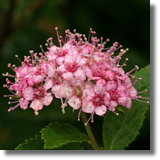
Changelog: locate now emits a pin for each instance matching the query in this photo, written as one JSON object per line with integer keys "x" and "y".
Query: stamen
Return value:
{"x": 12, "y": 108}
{"x": 89, "y": 119}
{"x": 142, "y": 91}
{"x": 135, "y": 68}
{"x": 56, "y": 28}
{"x": 42, "y": 49}
{"x": 36, "y": 113}
{"x": 143, "y": 97}
{"x": 18, "y": 58}
{"x": 142, "y": 101}
{"x": 79, "y": 114}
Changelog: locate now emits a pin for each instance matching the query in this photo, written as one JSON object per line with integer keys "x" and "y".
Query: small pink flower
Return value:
{"x": 40, "y": 98}
{"x": 121, "y": 89}
{"x": 22, "y": 71}
{"x": 109, "y": 75}
{"x": 86, "y": 50}
{"x": 122, "y": 99}
{"x": 111, "y": 85}
{"x": 101, "y": 82}
{"x": 113, "y": 104}
{"x": 133, "y": 93}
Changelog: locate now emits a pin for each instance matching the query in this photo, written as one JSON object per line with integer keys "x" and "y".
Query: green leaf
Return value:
{"x": 38, "y": 144}
{"x": 119, "y": 131}
{"x": 32, "y": 144}
{"x": 57, "y": 134}
{"x": 70, "y": 146}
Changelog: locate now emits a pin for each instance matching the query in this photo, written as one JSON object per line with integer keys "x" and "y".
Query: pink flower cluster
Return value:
{"x": 81, "y": 71}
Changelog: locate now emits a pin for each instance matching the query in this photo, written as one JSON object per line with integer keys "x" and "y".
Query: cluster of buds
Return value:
{"x": 81, "y": 72}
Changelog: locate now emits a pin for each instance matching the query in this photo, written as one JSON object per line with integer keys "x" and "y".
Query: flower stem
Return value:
{"x": 89, "y": 132}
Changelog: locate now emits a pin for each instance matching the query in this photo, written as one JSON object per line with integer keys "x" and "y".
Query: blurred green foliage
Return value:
{"x": 24, "y": 25}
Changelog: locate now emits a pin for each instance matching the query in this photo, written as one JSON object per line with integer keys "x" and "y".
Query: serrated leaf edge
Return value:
{"x": 62, "y": 143}
{"x": 26, "y": 141}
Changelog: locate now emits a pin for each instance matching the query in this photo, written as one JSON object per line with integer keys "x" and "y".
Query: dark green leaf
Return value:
{"x": 32, "y": 144}
{"x": 57, "y": 134}
{"x": 119, "y": 131}
{"x": 70, "y": 146}
{"x": 38, "y": 144}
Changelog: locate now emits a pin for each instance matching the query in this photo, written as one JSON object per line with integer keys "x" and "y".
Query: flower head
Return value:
{"x": 82, "y": 71}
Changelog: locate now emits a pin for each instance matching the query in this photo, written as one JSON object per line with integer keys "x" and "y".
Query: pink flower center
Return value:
{"x": 114, "y": 95}
{"x": 98, "y": 72}
{"x": 78, "y": 91}
{"x": 39, "y": 70}
{"x": 39, "y": 92}
{"x": 62, "y": 53}
{"x": 98, "y": 100}
{"x": 57, "y": 79}
{"x": 71, "y": 67}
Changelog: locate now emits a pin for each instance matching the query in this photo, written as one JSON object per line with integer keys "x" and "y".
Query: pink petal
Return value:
{"x": 101, "y": 110}
{"x": 74, "y": 102}
{"x": 28, "y": 93}
{"x": 109, "y": 75}
{"x": 121, "y": 89}
{"x": 30, "y": 81}
{"x": 22, "y": 71}
{"x": 51, "y": 56}
{"x": 48, "y": 84}
{"x": 38, "y": 78}
{"x": 36, "y": 105}
{"x": 113, "y": 104}
{"x": 47, "y": 99}
{"x": 128, "y": 82}
{"x": 61, "y": 68}
{"x": 79, "y": 74}
{"x": 66, "y": 91}
{"x": 133, "y": 93}
{"x": 88, "y": 107}
{"x": 122, "y": 99}
{"x": 106, "y": 99}
{"x": 129, "y": 103}
{"x": 88, "y": 93}
{"x": 53, "y": 49}
{"x": 68, "y": 76}
{"x": 23, "y": 103}
{"x": 56, "y": 89}
{"x": 88, "y": 72}
{"x": 60, "y": 60}
{"x": 111, "y": 85}
{"x": 99, "y": 88}
{"x": 51, "y": 71}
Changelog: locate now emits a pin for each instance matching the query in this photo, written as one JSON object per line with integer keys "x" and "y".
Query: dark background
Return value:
{"x": 24, "y": 25}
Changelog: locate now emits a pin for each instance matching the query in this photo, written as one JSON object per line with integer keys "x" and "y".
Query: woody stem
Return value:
{"x": 89, "y": 132}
